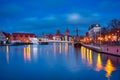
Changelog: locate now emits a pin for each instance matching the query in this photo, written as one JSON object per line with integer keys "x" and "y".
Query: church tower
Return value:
{"x": 67, "y": 32}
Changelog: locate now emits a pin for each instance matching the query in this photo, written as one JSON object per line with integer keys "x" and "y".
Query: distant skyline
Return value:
{"x": 37, "y": 16}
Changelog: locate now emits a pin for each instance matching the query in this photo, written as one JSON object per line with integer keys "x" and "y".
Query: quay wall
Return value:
{"x": 113, "y": 50}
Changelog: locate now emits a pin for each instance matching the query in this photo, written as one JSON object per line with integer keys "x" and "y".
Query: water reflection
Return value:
{"x": 86, "y": 54}
{"x": 54, "y": 47}
{"x": 27, "y": 55}
{"x": 66, "y": 48}
{"x": 60, "y": 48}
{"x": 77, "y": 63}
{"x": 90, "y": 58}
{"x": 99, "y": 63}
{"x": 35, "y": 51}
{"x": 109, "y": 68}
{"x": 83, "y": 54}
{"x": 7, "y": 54}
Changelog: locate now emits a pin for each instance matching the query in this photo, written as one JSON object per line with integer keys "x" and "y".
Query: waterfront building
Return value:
{"x": 50, "y": 36}
{"x": 58, "y": 36}
{"x": 4, "y": 37}
{"x": 22, "y": 37}
{"x": 94, "y": 31}
{"x": 67, "y": 36}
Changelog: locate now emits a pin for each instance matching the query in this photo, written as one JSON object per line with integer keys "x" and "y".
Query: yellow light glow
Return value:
{"x": 27, "y": 55}
{"x": 7, "y": 38}
{"x": 83, "y": 53}
{"x": 109, "y": 36}
{"x": 109, "y": 68}
{"x": 90, "y": 61}
{"x": 99, "y": 63}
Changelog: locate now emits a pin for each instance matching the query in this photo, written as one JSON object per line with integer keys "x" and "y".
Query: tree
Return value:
{"x": 114, "y": 24}
{"x": 104, "y": 31}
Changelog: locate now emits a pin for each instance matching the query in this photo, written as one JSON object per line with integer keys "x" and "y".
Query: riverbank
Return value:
{"x": 111, "y": 50}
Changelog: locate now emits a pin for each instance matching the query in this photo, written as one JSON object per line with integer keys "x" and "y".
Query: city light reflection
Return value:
{"x": 66, "y": 48}
{"x": 7, "y": 54}
{"x": 27, "y": 55}
{"x": 35, "y": 51}
{"x": 60, "y": 48}
{"x": 90, "y": 58}
{"x": 109, "y": 68}
{"x": 83, "y": 53}
{"x": 99, "y": 63}
{"x": 54, "y": 47}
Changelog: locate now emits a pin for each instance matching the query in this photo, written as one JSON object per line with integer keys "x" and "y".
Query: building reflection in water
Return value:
{"x": 27, "y": 55}
{"x": 99, "y": 63}
{"x": 35, "y": 51}
{"x": 87, "y": 56}
{"x": 90, "y": 58}
{"x": 109, "y": 68}
{"x": 83, "y": 52}
{"x": 60, "y": 48}
{"x": 7, "y": 54}
{"x": 54, "y": 47}
{"x": 66, "y": 48}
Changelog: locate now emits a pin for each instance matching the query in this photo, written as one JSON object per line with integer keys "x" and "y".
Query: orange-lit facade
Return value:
{"x": 23, "y": 37}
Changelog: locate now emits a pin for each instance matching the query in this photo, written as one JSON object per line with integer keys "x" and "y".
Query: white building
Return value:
{"x": 94, "y": 31}
{"x": 2, "y": 38}
{"x": 34, "y": 40}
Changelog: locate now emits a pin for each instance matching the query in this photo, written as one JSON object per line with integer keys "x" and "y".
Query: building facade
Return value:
{"x": 22, "y": 37}
{"x": 4, "y": 37}
{"x": 94, "y": 31}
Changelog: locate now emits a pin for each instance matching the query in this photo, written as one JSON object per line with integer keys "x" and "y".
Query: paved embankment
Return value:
{"x": 113, "y": 50}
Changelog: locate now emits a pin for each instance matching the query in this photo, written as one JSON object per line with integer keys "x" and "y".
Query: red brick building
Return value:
{"x": 22, "y": 37}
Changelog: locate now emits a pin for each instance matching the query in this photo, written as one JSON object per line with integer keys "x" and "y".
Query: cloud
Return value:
{"x": 56, "y": 21}
{"x": 81, "y": 19}
{"x": 48, "y": 18}
{"x": 50, "y": 23}
{"x": 74, "y": 18}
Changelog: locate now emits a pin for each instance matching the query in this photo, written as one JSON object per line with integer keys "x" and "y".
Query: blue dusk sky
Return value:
{"x": 37, "y": 16}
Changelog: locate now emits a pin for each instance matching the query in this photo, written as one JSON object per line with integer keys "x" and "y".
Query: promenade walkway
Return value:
{"x": 114, "y": 50}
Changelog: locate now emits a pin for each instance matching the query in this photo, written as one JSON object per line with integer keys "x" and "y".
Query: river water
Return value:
{"x": 56, "y": 61}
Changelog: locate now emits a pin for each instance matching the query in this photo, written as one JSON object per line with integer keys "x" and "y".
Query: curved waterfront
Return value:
{"x": 57, "y": 61}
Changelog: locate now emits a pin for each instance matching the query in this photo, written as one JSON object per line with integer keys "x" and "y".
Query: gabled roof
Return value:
{"x": 30, "y": 34}
{"x": 6, "y": 34}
